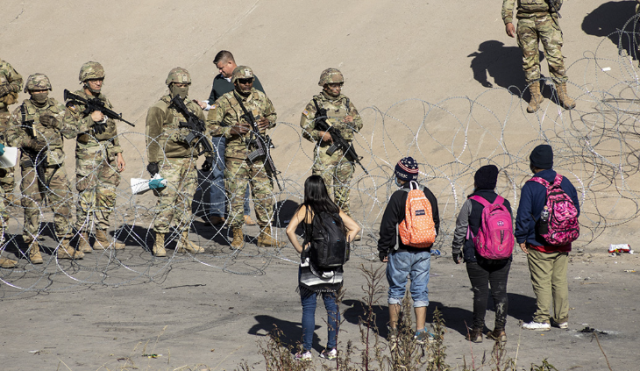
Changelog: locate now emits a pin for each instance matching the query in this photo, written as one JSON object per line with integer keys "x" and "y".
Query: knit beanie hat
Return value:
{"x": 542, "y": 157}
{"x": 407, "y": 169}
{"x": 486, "y": 177}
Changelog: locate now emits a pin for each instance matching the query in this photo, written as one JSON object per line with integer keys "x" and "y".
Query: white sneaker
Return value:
{"x": 304, "y": 356}
{"x": 537, "y": 326}
{"x": 330, "y": 355}
{"x": 562, "y": 325}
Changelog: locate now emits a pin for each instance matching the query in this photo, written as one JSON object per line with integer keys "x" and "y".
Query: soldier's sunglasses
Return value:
{"x": 245, "y": 81}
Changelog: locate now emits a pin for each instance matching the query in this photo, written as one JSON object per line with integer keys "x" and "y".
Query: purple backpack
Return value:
{"x": 495, "y": 237}
{"x": 561, "y": 226}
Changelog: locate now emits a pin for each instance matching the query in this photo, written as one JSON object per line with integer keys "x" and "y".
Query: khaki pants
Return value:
{"x": 549, "y": 281}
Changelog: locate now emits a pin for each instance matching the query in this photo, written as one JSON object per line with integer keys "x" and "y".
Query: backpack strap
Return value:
{"x": 558, "y": 180}
{"x": 539, "y": 180}
{"x": 413, "y": 184}
{"x": 481, "y": 200}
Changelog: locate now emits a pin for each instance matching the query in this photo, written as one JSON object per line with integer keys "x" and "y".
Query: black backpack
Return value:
{"x": 329, "y": 248}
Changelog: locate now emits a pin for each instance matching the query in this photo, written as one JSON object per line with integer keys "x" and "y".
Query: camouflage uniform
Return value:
{"x": 10, "y": 86}
{"x": 58, "y": 192}
{"x": 176, "y": 159}
{"x": 536, "y": 22}
{"x": 335, "y": 170}
{"x": 97, "y": 177}
{"x": 240, "y": 171}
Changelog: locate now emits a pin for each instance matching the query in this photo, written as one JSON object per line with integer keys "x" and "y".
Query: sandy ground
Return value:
{"x": 437, "y": 80}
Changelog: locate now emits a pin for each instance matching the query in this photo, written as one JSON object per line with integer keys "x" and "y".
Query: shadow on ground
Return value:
{"x": 608, "y": 18}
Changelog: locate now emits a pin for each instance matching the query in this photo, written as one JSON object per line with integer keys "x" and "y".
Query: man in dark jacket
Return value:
{"x": 547, "y": 263}
{"x": 225, "y": 63}
{"x": 405, "y": 260}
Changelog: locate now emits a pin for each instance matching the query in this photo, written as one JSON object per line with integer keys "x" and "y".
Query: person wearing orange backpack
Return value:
{"x": 485, "y": 214}
{"x": 402, "y": 258}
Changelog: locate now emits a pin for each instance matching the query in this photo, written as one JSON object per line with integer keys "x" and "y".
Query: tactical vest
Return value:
{"x": 29, "y": 112}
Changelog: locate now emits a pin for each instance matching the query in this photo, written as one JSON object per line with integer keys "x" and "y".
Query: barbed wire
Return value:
{"x": 596, "y": 145}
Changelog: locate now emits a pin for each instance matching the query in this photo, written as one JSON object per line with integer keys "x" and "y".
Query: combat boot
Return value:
{"x": 185, "y": 244}
{"x": 7, "y": 263}
{"x": 34, "y": 253}
{"x": 265, "y": 239}
{"x": 65, "y": 251}
{"x": 83, "y": 245}
{"x": 158, "y": 246}
{"x": 103, "y": 242}
{"x": 238, "y": 239}
{"x": 563, "y": 96}
{"x": 536, "y": 97}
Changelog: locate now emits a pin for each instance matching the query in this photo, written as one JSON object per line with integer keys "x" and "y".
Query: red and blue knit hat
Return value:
{"x": 407, "y": 169}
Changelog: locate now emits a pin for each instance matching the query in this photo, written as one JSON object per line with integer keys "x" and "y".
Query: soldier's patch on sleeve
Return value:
{"x": 214, "y": 106}
{"x": 306, "y": 113}
{"x": 72, "y": 107}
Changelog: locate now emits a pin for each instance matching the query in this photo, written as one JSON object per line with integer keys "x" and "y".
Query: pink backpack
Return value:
{"x": 562, "y": 222}
{"x": 495, "y": 237}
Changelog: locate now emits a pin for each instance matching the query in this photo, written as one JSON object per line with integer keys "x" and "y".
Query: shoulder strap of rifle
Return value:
{"x": 348, "y": 105}
{"x": 240, "y": 103}
{"x": 23, "y": 113}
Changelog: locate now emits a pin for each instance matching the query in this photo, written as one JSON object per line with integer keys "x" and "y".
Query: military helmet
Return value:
{"x": 91, "y": 70}
{"x": 242, "y": 72}
{"x": 331, "y": 76}
{"x": 178, "y": 75}
{"x": 37, "y": 81}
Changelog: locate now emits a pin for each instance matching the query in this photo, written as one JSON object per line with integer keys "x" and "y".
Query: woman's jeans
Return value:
{"x": 309, "y": 318}
{"x": 481, "y": 275}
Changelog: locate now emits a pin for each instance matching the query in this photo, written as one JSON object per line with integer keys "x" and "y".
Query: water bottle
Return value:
{"x": 543, "y": 224}
{"x": 545, "y": 214}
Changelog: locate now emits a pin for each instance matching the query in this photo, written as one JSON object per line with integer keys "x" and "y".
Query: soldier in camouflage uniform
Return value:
{"x": 99, "y": 161}
{"x": 10, "y": 86}
{"x": 335, "y": 170}
{"x": 174, "y": 158}
{"x": 37, "y": 128}
{"x": 538, "y": 22}
{"x": 226, "y": 118}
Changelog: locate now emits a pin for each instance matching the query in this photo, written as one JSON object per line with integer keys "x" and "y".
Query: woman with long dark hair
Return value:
{"x": 311, "y": 280}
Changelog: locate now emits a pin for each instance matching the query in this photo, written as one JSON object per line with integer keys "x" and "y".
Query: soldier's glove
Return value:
{"x": 50, "y": 121}
{"x": 207, "y": 165}
{"x": 35, "y": 144}
{"x": 100, "y": 127}
{"x": 4, "y": 90}
{"x": 153, "y": 169}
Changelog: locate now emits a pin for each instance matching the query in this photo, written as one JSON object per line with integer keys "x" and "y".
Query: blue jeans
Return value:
{"x": 309, "y": 318}
{"x": 416, "y": 266}
{"x": 217, "y": 195}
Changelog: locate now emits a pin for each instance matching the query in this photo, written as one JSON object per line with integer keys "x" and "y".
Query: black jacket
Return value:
{"x": 394, "y": 214}
{"x": 221, "y": 86}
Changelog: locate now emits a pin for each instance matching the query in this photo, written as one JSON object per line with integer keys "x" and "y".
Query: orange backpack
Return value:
{"x": 417, "y": 229}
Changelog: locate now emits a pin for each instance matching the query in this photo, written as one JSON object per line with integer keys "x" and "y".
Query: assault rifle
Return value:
{"x": 262, "y": 142}
{"x": 338, "y": 141}
{"x": 195, "y": 125}
{"x": 95, "y": 104}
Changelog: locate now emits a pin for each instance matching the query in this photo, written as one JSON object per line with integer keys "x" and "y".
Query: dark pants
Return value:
{"x": 481, "y": 275}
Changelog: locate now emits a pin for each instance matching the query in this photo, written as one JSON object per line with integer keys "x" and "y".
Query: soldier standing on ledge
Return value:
{"x": 538, "y": 22}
